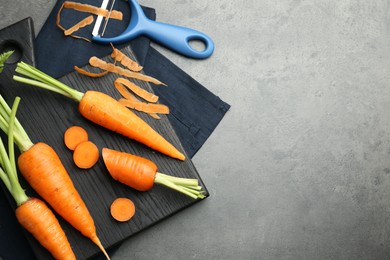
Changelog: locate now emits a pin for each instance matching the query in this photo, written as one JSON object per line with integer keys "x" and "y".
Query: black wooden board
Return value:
{"x": 47, "y": 115}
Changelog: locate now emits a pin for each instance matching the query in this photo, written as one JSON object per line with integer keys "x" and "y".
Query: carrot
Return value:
{"x": 103, "y": 110}
{"x": 42, "y": 168}
{"x": 141, "y": 174}
{"x": 122, "y": 209}
{"x": 75, "y": 135}
{"x": 86, "y": 155}
{"x": 32, "y": 213}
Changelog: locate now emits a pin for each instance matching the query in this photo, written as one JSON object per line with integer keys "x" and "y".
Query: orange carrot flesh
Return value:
{"x": 86, "y": 155}
{"x": 35, "y": 216}
{"x": 122, "y": 209}
{"x": 131, "y": 170}
{"x": 109, "y": 113}
{"x": 75, "y": 135}
{"x": 44, "y": 171}
{"x": 141, "y": 174}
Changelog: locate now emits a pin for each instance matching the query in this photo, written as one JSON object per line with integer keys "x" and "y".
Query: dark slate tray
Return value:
{"x": 47, "y": 115}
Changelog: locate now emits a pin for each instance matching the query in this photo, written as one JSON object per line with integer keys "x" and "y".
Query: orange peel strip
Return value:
{"x": 90, "y": 74}
{"x": 99, "y": 63}
{"x": 86, "y": 21}
{"x": 145, "y": 107}
{"x": 58, "y": 23}
{"x": 125, "y": 60}
{"x": 140, "y": 92}
{"x": 129, "y": 96}
{"x": 86, "y": 8}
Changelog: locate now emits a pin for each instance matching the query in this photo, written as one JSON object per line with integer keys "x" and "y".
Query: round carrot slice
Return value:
{"x": 86, "y": 155}
{"x": 75, "y": 135}
{"x": 122, "y": 209}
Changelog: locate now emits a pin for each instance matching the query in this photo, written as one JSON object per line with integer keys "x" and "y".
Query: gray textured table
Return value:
{"x": 300, "y": 166}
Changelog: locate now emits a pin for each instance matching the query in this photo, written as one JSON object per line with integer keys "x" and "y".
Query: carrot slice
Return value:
{"x": 125, "y": 60}
{"x": 142, "y": 93}
{"x": 145, "y": 107}
{"x": 90, "y": 74}
{"x": 99, "y": 63}
{"x": 86, "y": 155}
{"x": 75, "y": 135}
{"x": 86, "y": 21}
{"x": 86, "y": 8}
{"x": 122, "y": 209}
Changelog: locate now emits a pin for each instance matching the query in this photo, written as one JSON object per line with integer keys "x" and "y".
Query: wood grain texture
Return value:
{"x": 47, "y": 115}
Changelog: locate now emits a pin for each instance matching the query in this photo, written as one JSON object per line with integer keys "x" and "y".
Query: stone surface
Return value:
{"x": 300, "y": 166}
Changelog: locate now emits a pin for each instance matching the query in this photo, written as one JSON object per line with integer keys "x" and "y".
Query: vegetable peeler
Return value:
{"x": 174, "y": 37}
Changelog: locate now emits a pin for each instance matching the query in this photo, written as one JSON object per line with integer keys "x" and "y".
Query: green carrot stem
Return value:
{"x": 161, "y": 179}
{"x": 11, "y": 145}
{"x": 5, "y": 179}
{"x": 40, "y": 84}
{"x": 180, "y": 181}
{"x": 20, "y": 136}
{"x": 47, "y": 82}
{"x": 9, "y": 173}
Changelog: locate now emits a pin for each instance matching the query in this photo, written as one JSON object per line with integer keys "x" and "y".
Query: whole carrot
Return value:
{"x": 102, "y": 110}
{"x": 42, "y": 168}
{"x": 32, "y": 213}
{"x": 141, "y": 174}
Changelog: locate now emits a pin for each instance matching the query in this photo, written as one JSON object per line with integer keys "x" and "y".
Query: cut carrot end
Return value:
{"x": 122, "y": 209}
{"x": 86, "y": 155}
{"x": 75, "y": 135}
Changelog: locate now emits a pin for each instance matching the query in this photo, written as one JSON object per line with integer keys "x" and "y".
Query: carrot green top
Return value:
{"x": 40, "y": 79}
{"x": 8, "y": 172}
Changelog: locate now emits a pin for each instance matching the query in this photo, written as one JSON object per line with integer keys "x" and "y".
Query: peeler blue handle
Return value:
{"x": 174, "y": 37}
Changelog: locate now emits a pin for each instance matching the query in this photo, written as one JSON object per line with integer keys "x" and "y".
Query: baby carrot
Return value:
{"x": 32, "y": 213}
{"x": 42, "y": 168}
{"x": 102, "y": 110}
{"x": 141, "y": 174}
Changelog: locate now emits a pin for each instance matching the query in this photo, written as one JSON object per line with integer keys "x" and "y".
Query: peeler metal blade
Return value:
{"x": 98, "y": 29}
